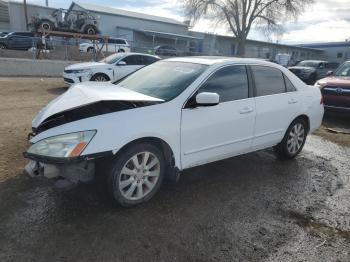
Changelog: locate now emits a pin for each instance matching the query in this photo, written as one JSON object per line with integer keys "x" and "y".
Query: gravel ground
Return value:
{"x": 248, "y": 208}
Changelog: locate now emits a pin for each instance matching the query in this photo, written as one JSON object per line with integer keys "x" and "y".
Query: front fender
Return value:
{"x": 115, "y": 130}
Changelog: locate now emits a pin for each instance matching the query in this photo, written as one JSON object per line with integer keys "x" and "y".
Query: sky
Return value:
{"x": 324, "y": 21}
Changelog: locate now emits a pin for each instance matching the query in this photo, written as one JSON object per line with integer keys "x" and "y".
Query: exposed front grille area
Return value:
{"x": 68, "y": 80}
{"x": 332, "y": 90}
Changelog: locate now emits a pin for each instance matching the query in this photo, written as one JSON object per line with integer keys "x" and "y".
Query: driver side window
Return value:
{"x": 230, "y": 83}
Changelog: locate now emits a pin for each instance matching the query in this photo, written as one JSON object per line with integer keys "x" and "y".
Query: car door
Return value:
{"x": 127, "y": 65}
{"x": 112, "y": 46}
{"x": 322, "y": 70}
{"x": 147, "y": 60}
{"x": 275, "y": 107}
{"x": 211, "y": 133}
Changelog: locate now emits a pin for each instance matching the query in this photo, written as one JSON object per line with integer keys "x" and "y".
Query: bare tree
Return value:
{"x": 241, "y": 15}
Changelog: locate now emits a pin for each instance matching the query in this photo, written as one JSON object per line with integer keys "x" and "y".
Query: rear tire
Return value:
{"x": 136, "y": 175}
{"x": 3, "y": 46}
{"x": 91, "y": 50}
{"x": 293, "y": 141}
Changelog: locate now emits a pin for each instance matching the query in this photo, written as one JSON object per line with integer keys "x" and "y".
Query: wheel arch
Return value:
{"x": 306, "y": 119}
{"x": 100, "y": 73}
{"x": 158, "y": 142}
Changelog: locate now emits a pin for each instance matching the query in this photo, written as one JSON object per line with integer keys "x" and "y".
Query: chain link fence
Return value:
{"x": 75, "y": 49}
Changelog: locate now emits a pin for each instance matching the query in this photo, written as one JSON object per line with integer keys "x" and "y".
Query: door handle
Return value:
{"x": 246, "y": 110}
{"x": 292, "y": 101}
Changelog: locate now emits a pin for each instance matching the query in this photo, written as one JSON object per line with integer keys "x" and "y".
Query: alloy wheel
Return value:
{"x": 296, "y": 138}
{"x": 100, "y": 78}
{"x": 139, "y": 176}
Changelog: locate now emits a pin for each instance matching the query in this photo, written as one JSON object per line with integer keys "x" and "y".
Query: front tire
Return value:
{"x": 100, "y": 77}
{"x": 3, "y": 46}
{"x": 136, "y": 175}
{"x": 293, "y": 141}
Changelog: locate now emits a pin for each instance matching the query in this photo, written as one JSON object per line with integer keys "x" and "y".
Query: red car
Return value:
{"x": 336, "y": 89}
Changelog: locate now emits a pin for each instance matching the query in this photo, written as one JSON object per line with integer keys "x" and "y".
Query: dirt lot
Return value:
{"x": 249, "y": 208}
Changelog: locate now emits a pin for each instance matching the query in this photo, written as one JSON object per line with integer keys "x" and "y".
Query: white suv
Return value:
{"x": 167, "y": 117}
{"x": 114, "y": 45}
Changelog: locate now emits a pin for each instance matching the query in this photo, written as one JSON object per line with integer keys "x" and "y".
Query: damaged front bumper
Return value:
{"x": 67, "y": 171}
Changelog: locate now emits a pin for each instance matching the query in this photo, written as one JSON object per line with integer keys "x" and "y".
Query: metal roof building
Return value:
{"x": 144, "y": 32}
{"x": 333, "y": 51}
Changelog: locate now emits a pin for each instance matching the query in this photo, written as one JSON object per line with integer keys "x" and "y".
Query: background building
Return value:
{"x": 335, "y": 52}
{"x": 144, "y": 32}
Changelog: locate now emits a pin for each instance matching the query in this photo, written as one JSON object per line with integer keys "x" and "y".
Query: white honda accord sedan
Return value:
{"x": 172, "y": 115}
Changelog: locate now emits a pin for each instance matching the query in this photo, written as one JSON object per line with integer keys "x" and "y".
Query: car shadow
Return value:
{"x": 333, "y": 120}
{"x": 57, "y": 90}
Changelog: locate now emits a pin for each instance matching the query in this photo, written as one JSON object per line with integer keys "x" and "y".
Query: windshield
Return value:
{"x": 112, "y": 58}
{"x": 344, "y": 70}
{"x": 164, "y": 80}
{"x": 308, "y": 64}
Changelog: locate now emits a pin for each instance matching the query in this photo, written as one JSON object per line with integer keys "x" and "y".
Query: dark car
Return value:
{"x": 2, "y": 34}
{"x": 311, "y": 70}
{"x": 21, "y": 41}
{"x": 336, "y": 89}
{"x": 165, "y": 50}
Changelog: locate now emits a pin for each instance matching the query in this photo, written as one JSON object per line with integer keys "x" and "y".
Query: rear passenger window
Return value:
{"x": 268, "y": 81}
{"x": 147, "y": 60}
{"x": 133, "y": 60}
{"x": 231, "y": 83}
{"x": 289, "y": 86}
{"x": 120, "y": 41}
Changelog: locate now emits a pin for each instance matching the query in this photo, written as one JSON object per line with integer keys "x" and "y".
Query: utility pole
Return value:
{"x": 25, "y": 13}
{"x": 47, "y": 2}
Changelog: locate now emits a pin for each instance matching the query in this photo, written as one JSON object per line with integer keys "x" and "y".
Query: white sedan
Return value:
{"x": 172, "y": 115}
{"x": 112, "y": 68}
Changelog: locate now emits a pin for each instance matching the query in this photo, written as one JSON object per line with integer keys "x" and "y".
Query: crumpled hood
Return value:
{"x": 86, "y": 65}
{"x": 88, "y": 93}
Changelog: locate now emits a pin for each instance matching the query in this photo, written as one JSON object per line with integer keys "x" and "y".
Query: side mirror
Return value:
{"x": 207, "y": 99}
{"x": 330, "y": 73}
{"x": 121, "y": 63}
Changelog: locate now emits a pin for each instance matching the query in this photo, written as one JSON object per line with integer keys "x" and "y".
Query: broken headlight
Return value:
{"x": 67, "y": 145}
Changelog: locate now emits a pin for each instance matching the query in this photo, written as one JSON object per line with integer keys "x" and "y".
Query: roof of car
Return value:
{"x": 211, "y": 60}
